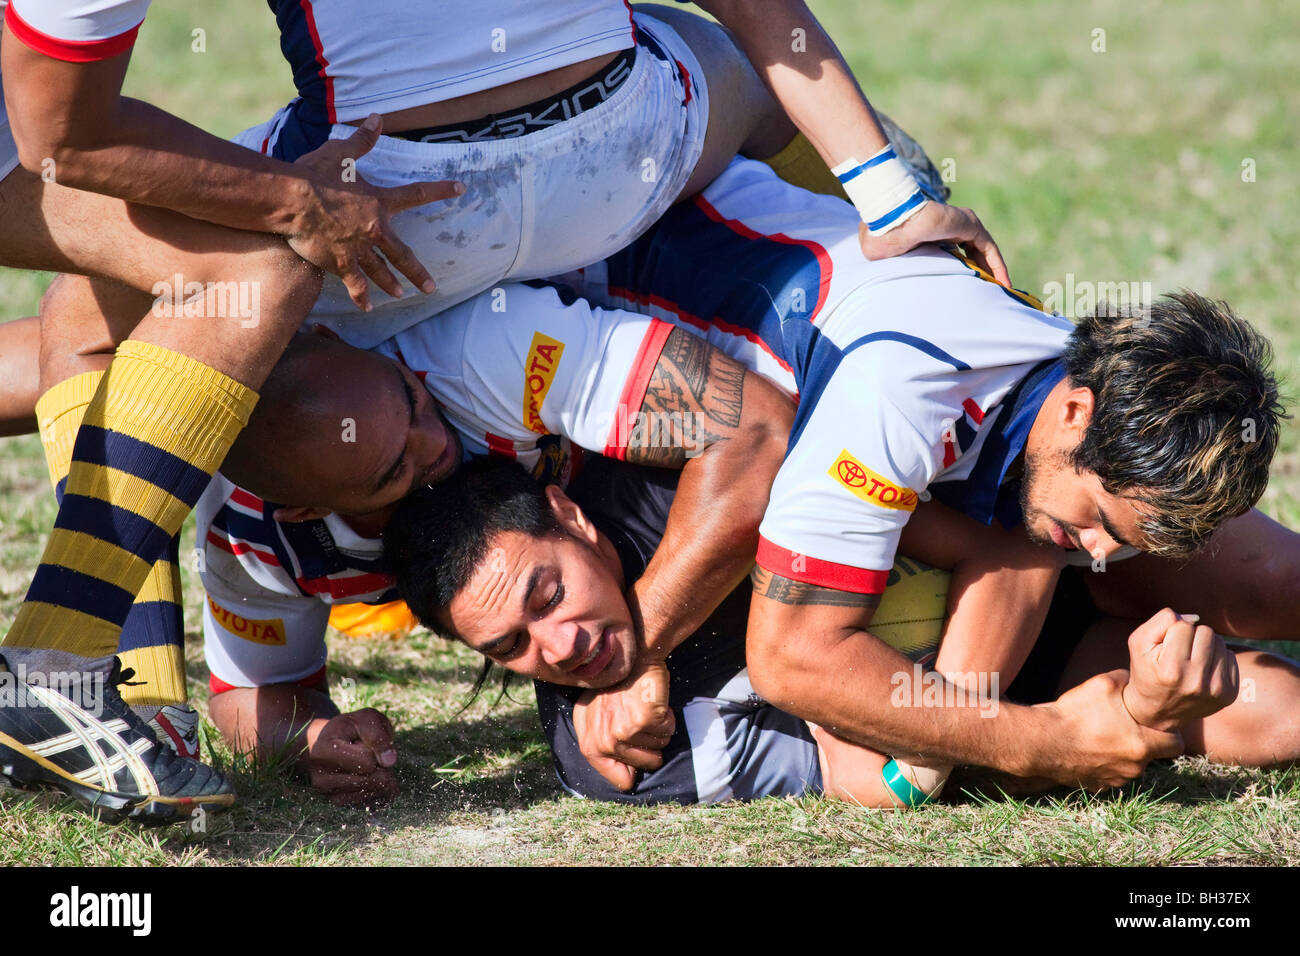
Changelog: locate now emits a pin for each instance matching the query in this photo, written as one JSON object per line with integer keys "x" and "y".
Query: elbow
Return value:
{"x": 50, "y": 158}
{"x": 769, "y": 670}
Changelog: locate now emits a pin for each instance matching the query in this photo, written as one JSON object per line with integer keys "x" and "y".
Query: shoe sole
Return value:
{"x": 24, "y": 768}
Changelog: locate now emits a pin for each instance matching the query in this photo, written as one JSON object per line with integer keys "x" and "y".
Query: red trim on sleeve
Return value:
{"x": 218, "y": 686}
{"x": 974, "y": 411}
{"x": 638, "y": 380}
{"x": 69, "y": 51}
{"x": 686, "y": 81}
{"x": 824, "y": 574}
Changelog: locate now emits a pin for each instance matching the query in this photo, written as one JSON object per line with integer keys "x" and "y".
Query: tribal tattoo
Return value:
{"x": 695, "y": 397}
{"x": 786, "y": 591}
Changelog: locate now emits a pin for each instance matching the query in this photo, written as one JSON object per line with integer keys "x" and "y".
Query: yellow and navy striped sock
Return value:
{"x": 799, "y": 164}
{"x": 159, "y": 425}
{"x": 152, "y": 640}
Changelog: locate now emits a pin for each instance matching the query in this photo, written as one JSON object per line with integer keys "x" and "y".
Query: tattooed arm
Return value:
{"x": 726, "y": 429}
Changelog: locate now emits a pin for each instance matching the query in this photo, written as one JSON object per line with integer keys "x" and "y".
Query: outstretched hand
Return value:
{"x": 345, "y": 225}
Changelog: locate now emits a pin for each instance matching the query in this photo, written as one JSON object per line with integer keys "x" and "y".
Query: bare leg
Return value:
{"x": 19, "y": 375}
{"x": 50, "y": 227}
{"x": 743, "y": 115}
{"x": 1246, "y": 584}
{"x": 1260, "y": 728}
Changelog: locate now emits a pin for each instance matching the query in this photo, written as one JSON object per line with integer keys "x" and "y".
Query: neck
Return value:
{"x": 370, "y": 525}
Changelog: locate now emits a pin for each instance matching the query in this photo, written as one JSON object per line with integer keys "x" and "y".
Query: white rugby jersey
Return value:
{"x": 351, "y": 58}
{"x": 78, "y": 31}
{"x": 537, "y": 381}
{"x": 522, "y": 363}
{"x": 915, "y": 375}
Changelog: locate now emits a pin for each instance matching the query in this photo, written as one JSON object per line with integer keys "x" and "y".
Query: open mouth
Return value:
{"x": 597, "y": 658}
{"x": 1060, "y": 538}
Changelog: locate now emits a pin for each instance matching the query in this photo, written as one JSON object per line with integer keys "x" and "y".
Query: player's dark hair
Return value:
{"x": 440, "y": 534}
{"x": 1186, "y": 416}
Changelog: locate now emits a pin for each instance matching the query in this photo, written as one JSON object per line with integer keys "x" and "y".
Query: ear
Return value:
{"x": 297, "y": 514}
{"x": 572, "y": 518}
{"x": 1076, "y": 413}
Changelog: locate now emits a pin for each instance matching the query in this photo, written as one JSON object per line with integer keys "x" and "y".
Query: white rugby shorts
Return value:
{"x": 536, "y": 205}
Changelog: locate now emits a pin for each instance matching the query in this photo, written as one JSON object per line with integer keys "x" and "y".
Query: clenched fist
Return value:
{"x": 1178, "y": 671}
{"x": 625, "y": 728}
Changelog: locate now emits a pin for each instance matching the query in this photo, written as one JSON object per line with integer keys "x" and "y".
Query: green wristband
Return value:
{"x": 907, "y": 792}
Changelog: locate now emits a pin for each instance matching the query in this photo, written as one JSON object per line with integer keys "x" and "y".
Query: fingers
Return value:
{"x": 985, "y": 251}
{"x": 348, "y": 789}
{"x": 378, "y": 270}
{"x": 404, "y": 260}
{"x": 365, "y": 138}
{"x": 618, "y": 775}
{"x": 1161, "y": 745}
{"x": 410, "y": 195}
{"x": 649, "y": 741}
{"x": 1177, "y": 644}
{"x": 354, "y": 280}
{"x": 376, "y": 732}
{"x": 1150, "y": 633}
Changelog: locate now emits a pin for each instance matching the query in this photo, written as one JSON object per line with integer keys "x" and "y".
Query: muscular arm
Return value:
{"x": 73, "y": 116}
{"x": 810, "y": 652}
{"x": 805, "y": 72}
{"x": 807, "y": 75}
{"x": 727, "y": 430}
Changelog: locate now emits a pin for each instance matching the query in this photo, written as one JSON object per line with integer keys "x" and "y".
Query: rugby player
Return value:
{"x": 350, "y": 432}
{"x": 64, "y": 80}
{"x": 529, "y": 574}
{"x": 917, "y": 378}
{"x": 576, "y": 125}
{"x": 770, "y": 284}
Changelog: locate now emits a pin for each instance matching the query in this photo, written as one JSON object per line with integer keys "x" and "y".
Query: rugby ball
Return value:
{"x": 912, "y": 610}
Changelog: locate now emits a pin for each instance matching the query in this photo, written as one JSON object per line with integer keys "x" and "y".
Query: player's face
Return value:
{"x": 399, "y": 441}
{"x": 548, "y": 608}
{"x": 1071, "y": 510}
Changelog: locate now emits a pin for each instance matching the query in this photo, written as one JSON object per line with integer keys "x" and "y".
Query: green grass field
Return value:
{"x": 1122, "y": 165}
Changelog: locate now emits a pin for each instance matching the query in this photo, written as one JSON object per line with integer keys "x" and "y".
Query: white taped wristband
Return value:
{"x": 882, "y": 188}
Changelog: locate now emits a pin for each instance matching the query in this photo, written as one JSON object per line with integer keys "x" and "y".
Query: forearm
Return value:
{"x": 271, "y": 720}
{"x": 708, "y": 545}
{"x": 806, "y": 73}
{"x": 996, "y": 611}
{"x": 197, "y": 174}
{"x": 863, "y": 691}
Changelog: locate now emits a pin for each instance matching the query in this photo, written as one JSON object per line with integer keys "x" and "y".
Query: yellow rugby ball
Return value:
{"x": 912, "y": 610}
